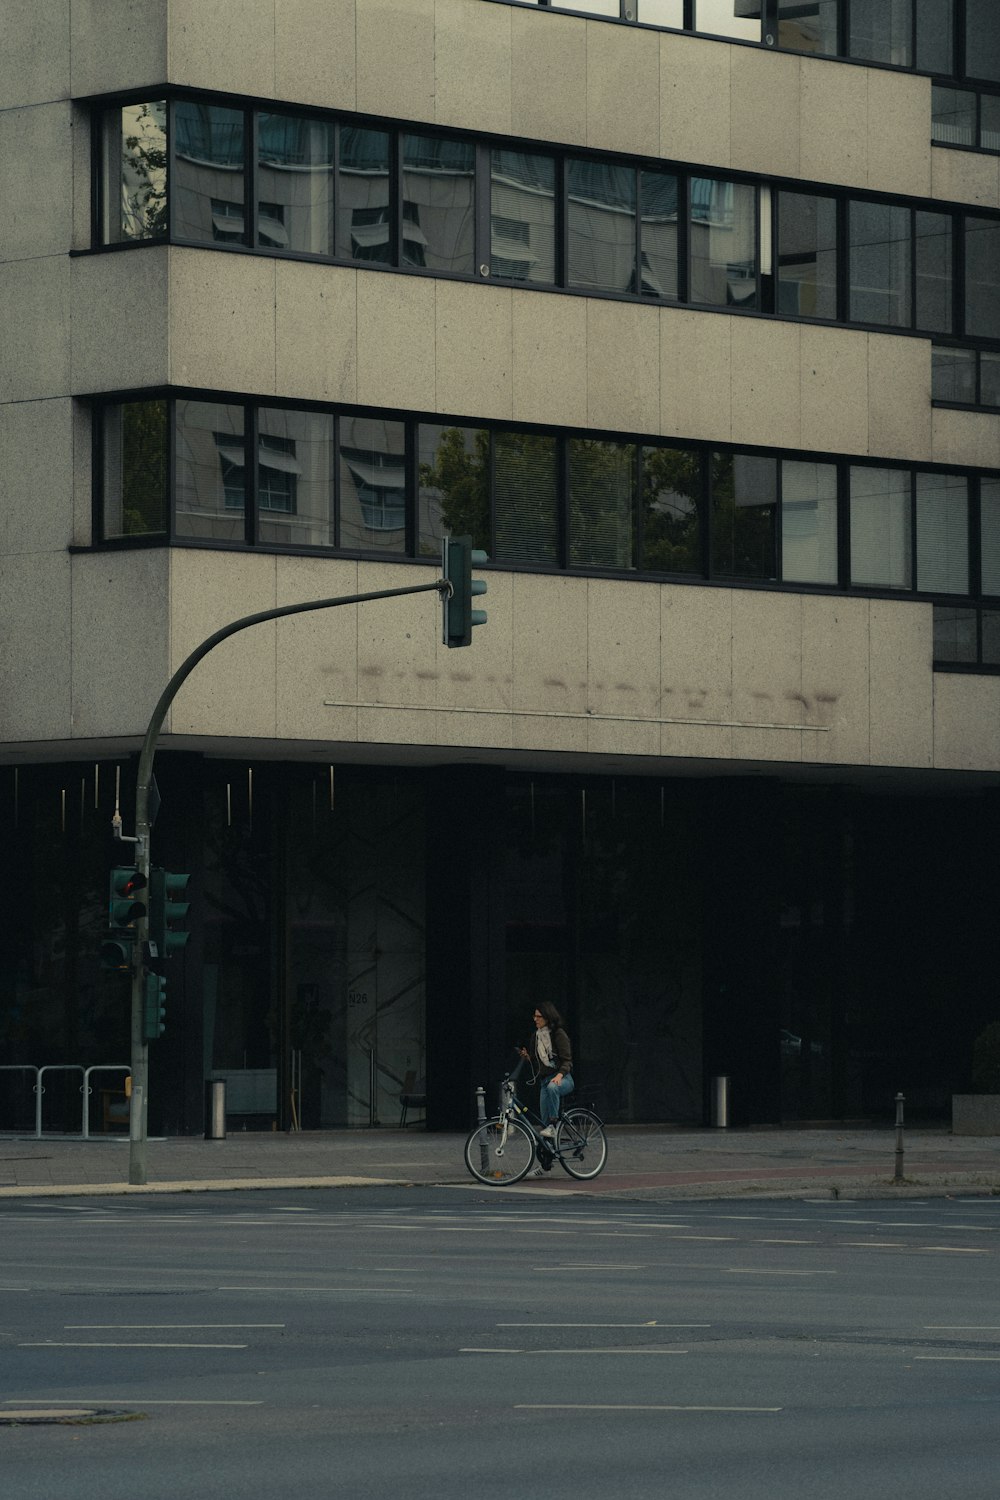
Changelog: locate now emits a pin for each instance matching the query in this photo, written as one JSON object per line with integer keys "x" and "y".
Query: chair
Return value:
{"x": 413, "y": 1095}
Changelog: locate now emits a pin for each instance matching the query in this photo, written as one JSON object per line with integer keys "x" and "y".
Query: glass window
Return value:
{"x": 989, "y": 379}
{"x": 135, "y": 469}
{"x": 601, "y": 226}
{"x": 589, "y": 7}
{"x": 601, "y": 503}
{"x": 454, "y": 486}
{"x": 661, "y": 13}
{"x": 881, "y": 551}
{"x": 723, "y": 243}
{"x": 671, "y": 511}
{"x": 953, "y": 116}
{"x": 523, "y": 216}
{"x": 364, "y": 217}
{"x": 658, "y": 198}
{"x": 932, "y": 247}
{"x": 438, "y": 203}
{"x": 953, "y": 374}
{"x": 135, "y": 172}
{"x": 954, "y": 634}
{"x": 808, "y": 26}
{"x": 982, "y": 39}
{"x": 372, "y": 484}
{"x": 880, "y": 264}
{"x": 882, "y": 31}
{"x": 982, "y": 277}
{"x": 935, "y": 30}
{"x": 210, "y": 461}
{"x": 208, "y": 190}
{"x": 744, "y": 509}
{"x": 989, "y": 536}
{"x": 295, "y": 478}
{"x": 524, "y": 468}
{"x": 739, "y": 18}
{"x": 295, "y": 184}
{"x": 807, "y": 255}
{"x": 989, "y": 122}
{"x": 991, "y": 638}
{"x": 808, "y": 522}
{"x": 942, "y": 533}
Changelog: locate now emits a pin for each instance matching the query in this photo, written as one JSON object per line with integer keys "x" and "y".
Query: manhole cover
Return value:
{"x": 66, "y": 1416}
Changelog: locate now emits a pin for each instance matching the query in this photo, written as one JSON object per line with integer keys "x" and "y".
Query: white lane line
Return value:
{"x": 873, "y": 1244}
{"x": 649, "y": 1349}
{"x": 974, "y": 1359}
{"x": 566, "y": 1406}
{"x": 749, "y": 1271}
{"x": 124, "y": 1344}
{"x": 585, "y": 1265}
{"x": 728, "y": 1237}
{"x": 955, "y": 1249}
{"x": 651, "y": 1324}
{"x": 368, "y": 1291}
{"x": 150, "y": 1327}
{"x": 963, "y": 1327}
{"x": 760, "y": 1241}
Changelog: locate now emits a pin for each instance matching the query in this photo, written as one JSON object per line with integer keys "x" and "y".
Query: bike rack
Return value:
{"x": 21, "y": 1068}
{"x": 86, "y": 1090}
{"x": 40, "y": 1088}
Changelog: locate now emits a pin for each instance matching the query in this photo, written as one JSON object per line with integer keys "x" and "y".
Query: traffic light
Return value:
{"x": 457, "y": 559}
{"x": 154, "y": 1007}
{"x": 166, "y": 913}
{"x": 117, "y": 952}
{"x": 124, "y": 910}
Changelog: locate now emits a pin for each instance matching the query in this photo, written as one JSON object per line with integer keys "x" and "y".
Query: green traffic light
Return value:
{"x": 457, "y": 559}
{"x": 165, "y": 914}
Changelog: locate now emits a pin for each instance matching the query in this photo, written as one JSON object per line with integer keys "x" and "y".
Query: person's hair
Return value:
{"x": 552, "y": 1016}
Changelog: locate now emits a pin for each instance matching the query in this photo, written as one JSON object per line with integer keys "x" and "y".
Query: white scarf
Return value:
{"x": 543, "y": 1046}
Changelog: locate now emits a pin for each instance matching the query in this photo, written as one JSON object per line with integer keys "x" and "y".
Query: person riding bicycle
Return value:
{"x": 551, "y": 1058}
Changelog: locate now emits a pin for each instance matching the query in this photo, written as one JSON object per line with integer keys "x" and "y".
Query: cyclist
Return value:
{"x": 551, "y": 1058}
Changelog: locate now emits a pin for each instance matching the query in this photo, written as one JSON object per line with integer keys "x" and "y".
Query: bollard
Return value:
{"x": 480, "y": 1104}
{"x": 719, "y": 1102}
{"x": 898, "y": 1174}
{"x": 215, "y": 1109}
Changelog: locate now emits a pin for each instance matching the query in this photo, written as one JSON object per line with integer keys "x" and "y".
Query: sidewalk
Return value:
{"x": 653, "y": 1162}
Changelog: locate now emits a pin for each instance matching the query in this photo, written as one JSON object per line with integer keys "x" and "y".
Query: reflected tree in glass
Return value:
{"x": 525, "y": 497}
{"x": 601, "y": 502}
{"x": 135, "y": 469}
{"x": 136, "y": 172}
{"x": 744, "y": 507}
{"x": 672, "y": 500}
{"x": 454, "y": 476}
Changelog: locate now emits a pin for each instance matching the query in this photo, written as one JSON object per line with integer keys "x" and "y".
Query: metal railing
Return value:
{"x": 39, "y": 1090}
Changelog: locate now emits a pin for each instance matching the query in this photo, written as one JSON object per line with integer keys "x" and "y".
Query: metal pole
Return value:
{"x": 898, "y": 1174}
{"x": 480, "y": 1105}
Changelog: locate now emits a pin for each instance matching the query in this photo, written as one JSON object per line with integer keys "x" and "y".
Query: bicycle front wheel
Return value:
{"x": 499, "y": 1152}
{"x": 581, "y": 1143}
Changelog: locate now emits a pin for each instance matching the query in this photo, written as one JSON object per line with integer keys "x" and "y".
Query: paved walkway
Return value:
{"x": 651, "y": 1162}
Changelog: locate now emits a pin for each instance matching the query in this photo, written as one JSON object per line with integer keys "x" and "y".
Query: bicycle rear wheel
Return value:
{"x": 581, "y": 1143}
{"x": 499, "y": 1152}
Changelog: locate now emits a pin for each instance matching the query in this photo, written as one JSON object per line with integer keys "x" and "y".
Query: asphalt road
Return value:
{"x": 453, "y": 1342}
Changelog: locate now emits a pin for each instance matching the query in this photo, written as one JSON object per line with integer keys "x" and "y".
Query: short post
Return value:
{"x": 480, "y": 1105}
{"x": 898, "y": 1174}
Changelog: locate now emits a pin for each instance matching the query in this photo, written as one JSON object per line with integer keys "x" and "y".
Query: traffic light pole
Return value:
{"x": 140, "y": 1053}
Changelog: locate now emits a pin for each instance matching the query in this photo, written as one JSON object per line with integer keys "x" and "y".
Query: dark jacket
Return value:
{"x": 562, "y": 1052}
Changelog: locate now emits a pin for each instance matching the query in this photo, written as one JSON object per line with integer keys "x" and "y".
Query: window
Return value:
{"x": 135, "y": 469}
{"x": 438, "y": 203}
{"x": 982, "y": 40}
{"x": 208, "y": 183}
{"x": 744, "y": 514}
{"x": 808, "y": 522}
{"x": 954, "y": 634}
{"x": 942, "y": 534}
{"x": 602, "y": 503}
{"x": 989, "y": 536}
{"x": 295, "y": 477}
{"x": 364, "y": 224}
{"x": 881, "y": 528}
{"x": 659, "y": 196}
{"x": 982, "y": 277}
{"x": 210, "y": 471}
{"x": 932, "y": 257}
{"x": 670, "y": 520}
{"x": 953, "y": 116}
{"x": 736, "y": 18}
{"x": 882, "y": 31}
{"x": 295, "y": 183}
{"x": 601, "y": 226}
{"x": 453, "y": 468}
{"x": 372, "y": 484}
{"x": 135, "y": 172}
{"x": 809, "y": 26}
{"x": 723, "y": 230}
{"x": 524, "y": 498}
{"x": 880, "y": 264}
{"x": 523, "y": 216}
{"x": 807, "y": 255}
{"x": 953, "y": 375}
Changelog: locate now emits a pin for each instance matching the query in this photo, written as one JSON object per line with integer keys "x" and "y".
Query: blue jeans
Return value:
{"x": 549, "y": 1095}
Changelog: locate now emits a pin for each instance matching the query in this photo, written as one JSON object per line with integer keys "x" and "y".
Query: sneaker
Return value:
{"x": 538, "y": 1172}
{"x": 549, "y": 1132}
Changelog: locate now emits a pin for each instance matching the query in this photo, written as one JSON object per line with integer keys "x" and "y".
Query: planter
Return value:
{"x": 975, "y": 1114}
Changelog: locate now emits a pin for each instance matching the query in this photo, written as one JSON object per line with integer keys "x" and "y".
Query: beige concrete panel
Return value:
{"x": 835, "y": 687}
{"x": 623, "y": 651}
{"x": 833, "y": 138}
{"x": 899, "y": 137}
{"x": 316, "y": 331}
{"x": 314, "y": 52}
{"x": 202, "y": 36}
{"x": 902, "y": 683}
{"x": 232, "y": 692}
{"x": 766, "y": 382}
{"x": 899, "y": 397}
{"x": 472, "y": 65}
{"x": 317, "y": 653}
{"x": 35, "y": 668}
{"x": 395, "y": 351}
{"x": 397, "y": 639}
{"x": 474, "y": 350}
{"x": 119, "y": 324}
{"x": 965, "y": 177}
{"x": 35, "y": 339}
{"x": 696, "y": 671}
{"x": 623, "y": 366}
{"x": 222, "y": 320}
{"x": 834, "y": 389}
{"x": 695, "y": 100}
{"x": 767, "y": 675}
{"x": 966, "y": 722}
{"x": 549, "y": 380}
{"x": 112, "y": 694}
{"x": 550, "y": 662}
{"x": 116, "y": 44}
{"x": 491, "y": 731}
{"x": 695, "y": 380}
{"x": 623, "y": 86}
{"x": 764, "y": 111}
{"x": 35, "y": 54}
{"x": 36, "y": 477}
{"x": 548, "y": 76}
{"x": 966, "y": 437}
{"x": 479, "y": 676}
{"x": 36, "y": 183}
{"x": 395, "y": 68}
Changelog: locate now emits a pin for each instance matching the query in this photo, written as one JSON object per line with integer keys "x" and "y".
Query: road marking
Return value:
{"x": 650, "y": 1349}
{"x": 749, "y": 1271}
{"x": 583, "y": 1265}
{"x": 727, "y": 1237}
{"x": 963, "y": 1327}
{"x": 785, "y": 1242}
{"x": 566, "y": 1406}
{"x": 873, "y": 1244}
{"x": 651, "y": 1324}
{"x": 975, "y": 1359}
{"x": 955, "y": 1249}
{"x": 383, "y": 1291}
{"x": 127, "y": 1344}
{"x": 148, "y": 1327}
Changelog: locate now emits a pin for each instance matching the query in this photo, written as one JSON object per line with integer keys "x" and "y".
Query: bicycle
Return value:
{"x": 500, "y": 1151}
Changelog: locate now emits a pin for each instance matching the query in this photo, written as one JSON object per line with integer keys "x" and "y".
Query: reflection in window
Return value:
{"x": 807, "y": 255}
{"x": 601, "y": 503}
{"x": 295, "y": 181}
{"x": 454, "y": 486}
{"x": 210, "y": 470}
{"x": 989, "y": 379}
{"x": 982, "y": 277}
{"x": 953, "y": 116}
{"x": 744, "y": 509}
{"x": 881, "y": 541}
{"x": 523, "y": 216}
{"x": 935, "y": 33}
{"x": 932, "y": 246}
{"x": 882, "y": 31}
{"x": 364, "y": 224}
{"x": 808, "y": 522}
{"x": 135, "y": 469}
{"x": 658, "y": 199}
{"x": 991, "y": 638}
{"x": 135, "y": 172}
{"x": 953, "y": 374}
{"x": 208, "y": 185}
{"x": 661, "y": 13}
{"x": 808, "y": 26}
{"x": 942, "y": 534}
{"x": 989, "y": 536}
{"x": 589, "y": 7}
{"x": 989, "y": 122}
{"x": 723, "y": 231}
{"x": 671, "y": 511}
{"x": 738, "y": 18}
{"x": 525, "y": 497}
{"x": 372, "y": 484}
{"x": 601, "y": 226}
{"x": 982, "y": 39}
{"x": 438, "y": 203}
{"x": 880, "y": 264}
{"x": 954, "y": 634}
{"x": 295, "y": 478}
